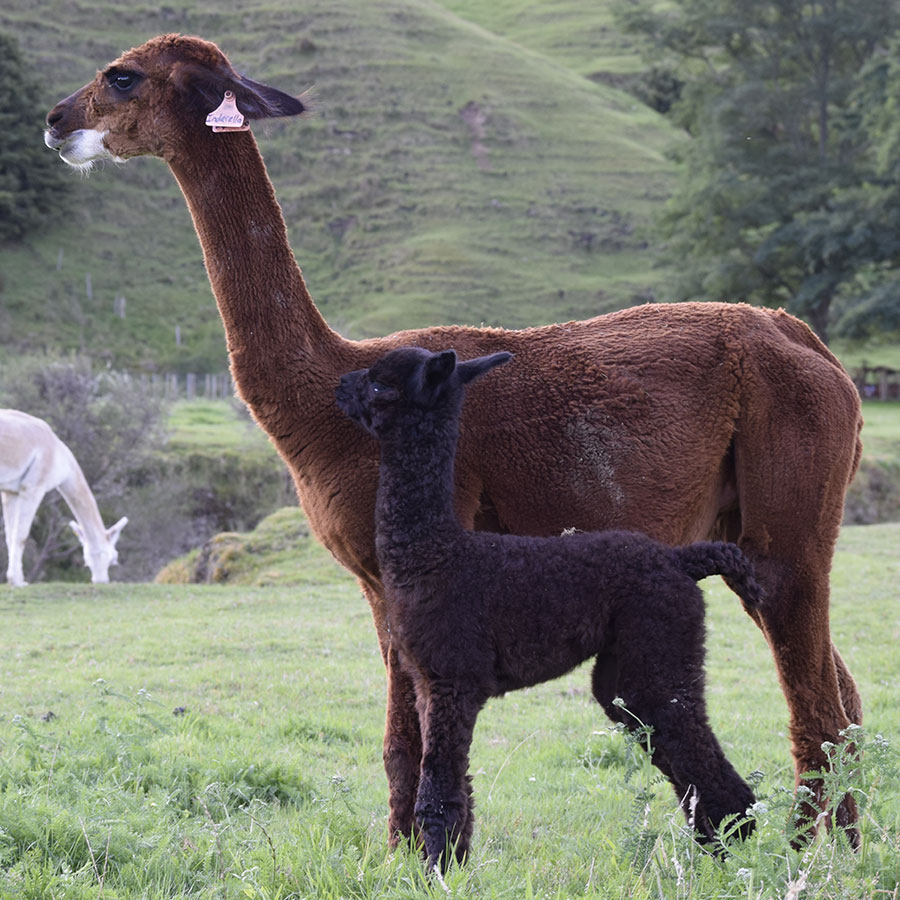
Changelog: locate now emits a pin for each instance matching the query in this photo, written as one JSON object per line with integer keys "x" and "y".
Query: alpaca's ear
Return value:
{"x": 438, "y": 368}
{"x": 475, "y": 368}
{"x": 204, "y": 89}
{"x": 259, "y": 101}
{"x": 114, "y": 531}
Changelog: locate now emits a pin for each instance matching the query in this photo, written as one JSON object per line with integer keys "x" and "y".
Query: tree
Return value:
{"x": 774, "y": 178}
{"x": 32, "y": 183}
{"x": 876, "y": 286}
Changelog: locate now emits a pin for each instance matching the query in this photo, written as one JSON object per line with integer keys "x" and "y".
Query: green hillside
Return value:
{"x": 581, "y": 38}
{"x": 451, "y": 173}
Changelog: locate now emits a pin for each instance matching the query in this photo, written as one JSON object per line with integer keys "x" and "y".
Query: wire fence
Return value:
{"x": 188, "y": 386}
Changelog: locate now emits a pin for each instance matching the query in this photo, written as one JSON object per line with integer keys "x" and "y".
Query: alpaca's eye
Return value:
{"x": 383, "y": 391}
{"x": 122, "y": 81}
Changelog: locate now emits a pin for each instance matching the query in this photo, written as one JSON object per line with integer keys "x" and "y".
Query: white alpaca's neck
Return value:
{"x": 78, "y": 495}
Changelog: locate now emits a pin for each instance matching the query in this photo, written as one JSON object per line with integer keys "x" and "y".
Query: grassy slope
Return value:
{"x": 398, "y": 218}
{"x": 215, "y": 426}
{"x": 559, "y": 30}
{"x": 271, "y": 783}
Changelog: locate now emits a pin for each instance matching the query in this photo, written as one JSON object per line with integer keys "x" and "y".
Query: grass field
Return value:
{"x": 165, "y": 741}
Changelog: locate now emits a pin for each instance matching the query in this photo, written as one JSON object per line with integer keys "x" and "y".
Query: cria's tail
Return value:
{"x": 719, "y": 558}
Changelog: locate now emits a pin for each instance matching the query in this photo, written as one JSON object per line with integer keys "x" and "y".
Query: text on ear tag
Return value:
{"x": 226, "y": 116}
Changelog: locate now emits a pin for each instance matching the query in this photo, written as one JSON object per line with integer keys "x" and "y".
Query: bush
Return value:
{"x": 874, "y": 495}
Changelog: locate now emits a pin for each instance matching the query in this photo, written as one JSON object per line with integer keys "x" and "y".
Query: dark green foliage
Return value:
{"x": 873, "y": 111}
{"x": 775, "y": 203}
{"x": 874, "y": 495}
{"x": 32, "y": 185}
{"x": 659, "y": 87}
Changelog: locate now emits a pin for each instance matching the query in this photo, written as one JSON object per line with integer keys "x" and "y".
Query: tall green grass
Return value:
{"x": 162, "y": 741}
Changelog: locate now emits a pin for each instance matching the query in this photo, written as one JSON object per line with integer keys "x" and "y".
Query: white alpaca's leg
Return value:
{"x": 13, "y": 565}
{"x": 18, "y": 514}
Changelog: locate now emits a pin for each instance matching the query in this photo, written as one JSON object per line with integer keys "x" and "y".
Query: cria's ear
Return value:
{"x": 204, "y": 88}
{"x": 438, "y": 368}
{"x": 475, "y": 368}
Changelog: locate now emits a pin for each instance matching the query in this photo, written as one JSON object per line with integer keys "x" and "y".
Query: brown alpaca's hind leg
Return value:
{"x": 796, "y": 448}
{"x": 850, "y": 698}
{"x": 815, "y": 681}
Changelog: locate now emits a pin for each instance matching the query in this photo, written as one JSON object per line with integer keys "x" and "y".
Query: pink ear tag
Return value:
{"x": 226, "y": 116}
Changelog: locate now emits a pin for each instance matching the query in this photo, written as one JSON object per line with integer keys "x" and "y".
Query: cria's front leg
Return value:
{"x": 444, "y": 803}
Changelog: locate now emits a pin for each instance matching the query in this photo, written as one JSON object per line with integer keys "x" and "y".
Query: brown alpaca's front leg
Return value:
{"x": 444, "y": 804}
{"x": 402, "y": 751}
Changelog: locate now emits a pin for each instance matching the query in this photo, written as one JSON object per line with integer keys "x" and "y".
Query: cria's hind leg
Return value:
{"x": 658, "y": 673}
{"x": 604, "y": 685}
{"x": 692, "y": 753}
{"x": 605, "y": 679}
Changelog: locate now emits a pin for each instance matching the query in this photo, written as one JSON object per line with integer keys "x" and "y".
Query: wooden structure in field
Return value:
{"x": 877, "y": 382}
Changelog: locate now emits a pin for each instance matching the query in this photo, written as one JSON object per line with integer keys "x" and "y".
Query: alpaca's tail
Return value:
{"x": 720, "y": 558}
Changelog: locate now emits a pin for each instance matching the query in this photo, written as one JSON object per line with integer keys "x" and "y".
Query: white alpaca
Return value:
{"x": 33, "y": 461}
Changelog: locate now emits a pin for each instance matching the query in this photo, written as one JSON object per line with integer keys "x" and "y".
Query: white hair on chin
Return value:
{"x": 83, "y": 148}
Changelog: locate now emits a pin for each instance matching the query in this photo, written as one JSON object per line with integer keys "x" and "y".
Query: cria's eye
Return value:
{"x": 122, "y": 81}
{"x": 379, "y": 388}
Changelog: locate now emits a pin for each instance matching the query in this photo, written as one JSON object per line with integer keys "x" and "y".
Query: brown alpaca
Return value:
{"x": 683, "y": 421}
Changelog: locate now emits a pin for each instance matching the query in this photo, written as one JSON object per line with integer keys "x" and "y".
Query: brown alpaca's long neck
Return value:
{"x": 267, "y": 311}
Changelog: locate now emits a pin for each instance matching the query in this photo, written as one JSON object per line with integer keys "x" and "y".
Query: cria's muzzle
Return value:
{"x": 350, "y": 395}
